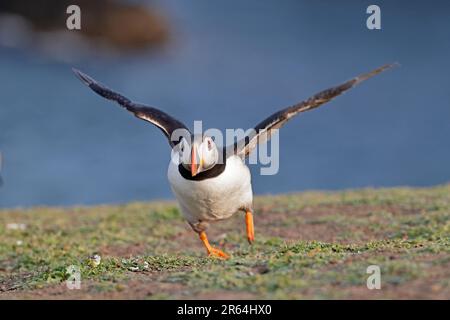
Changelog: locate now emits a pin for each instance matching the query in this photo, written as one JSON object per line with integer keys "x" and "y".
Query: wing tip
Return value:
{"x": 83, "y": 77}
{"x": 386, "y": 67}
{"x": 378, "y": 70}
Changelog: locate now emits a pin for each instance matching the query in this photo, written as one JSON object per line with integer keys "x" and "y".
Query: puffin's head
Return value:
{"x": 198, "y": 155}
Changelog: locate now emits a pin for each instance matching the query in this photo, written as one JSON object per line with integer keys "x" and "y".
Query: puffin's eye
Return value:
{"x": 209, "y": 145}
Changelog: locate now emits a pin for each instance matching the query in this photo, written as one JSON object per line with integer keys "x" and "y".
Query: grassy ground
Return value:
{"x": 308, "y": 245}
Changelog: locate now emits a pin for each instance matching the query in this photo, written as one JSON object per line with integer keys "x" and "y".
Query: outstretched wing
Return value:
{"x": 162, "y": 120}
{"x": 262, "y": 131}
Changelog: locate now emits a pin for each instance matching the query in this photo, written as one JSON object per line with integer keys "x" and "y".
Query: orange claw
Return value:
{"x": 250, "y": 226}
{"x": 210, "y": 250}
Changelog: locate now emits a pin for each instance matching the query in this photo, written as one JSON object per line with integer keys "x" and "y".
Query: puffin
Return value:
{"x": 211, "y": 182}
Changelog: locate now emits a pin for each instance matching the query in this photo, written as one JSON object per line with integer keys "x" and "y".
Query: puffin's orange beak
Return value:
{"x": 194, "y": 161}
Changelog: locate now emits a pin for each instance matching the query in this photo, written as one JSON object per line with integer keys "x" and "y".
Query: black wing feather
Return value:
{"x": 262, "y": 130}
{"x": 166, "y": 123}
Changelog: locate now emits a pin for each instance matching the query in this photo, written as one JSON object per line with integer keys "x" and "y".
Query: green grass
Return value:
{"x": 309, "y": 245}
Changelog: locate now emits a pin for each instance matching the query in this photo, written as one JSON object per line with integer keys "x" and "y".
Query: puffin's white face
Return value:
{"x": 200, "y": 156}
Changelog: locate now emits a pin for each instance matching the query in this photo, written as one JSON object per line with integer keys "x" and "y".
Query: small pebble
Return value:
{"x": 95, "y": 260}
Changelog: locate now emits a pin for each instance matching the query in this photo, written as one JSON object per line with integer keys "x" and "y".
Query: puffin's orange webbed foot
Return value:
{"x": 211, "y": 250}
{"x": 218, "y": 253}
{"x": 249, "y": 226}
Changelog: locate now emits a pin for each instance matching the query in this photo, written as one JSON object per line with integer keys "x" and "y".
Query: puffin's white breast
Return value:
{"x": 214, "y": 198}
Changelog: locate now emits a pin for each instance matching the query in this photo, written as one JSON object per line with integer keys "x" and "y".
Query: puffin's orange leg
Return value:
{"x": 250, "y": 228}
{"x": 212, "y": 251}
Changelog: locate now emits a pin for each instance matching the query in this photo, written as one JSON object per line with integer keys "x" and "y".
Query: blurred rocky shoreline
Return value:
{"x": 107, "y": 27}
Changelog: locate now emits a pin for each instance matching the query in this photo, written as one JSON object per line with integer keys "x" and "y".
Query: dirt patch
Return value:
{"x": 334, "y": 223}
{"x": 122, "y": 251}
